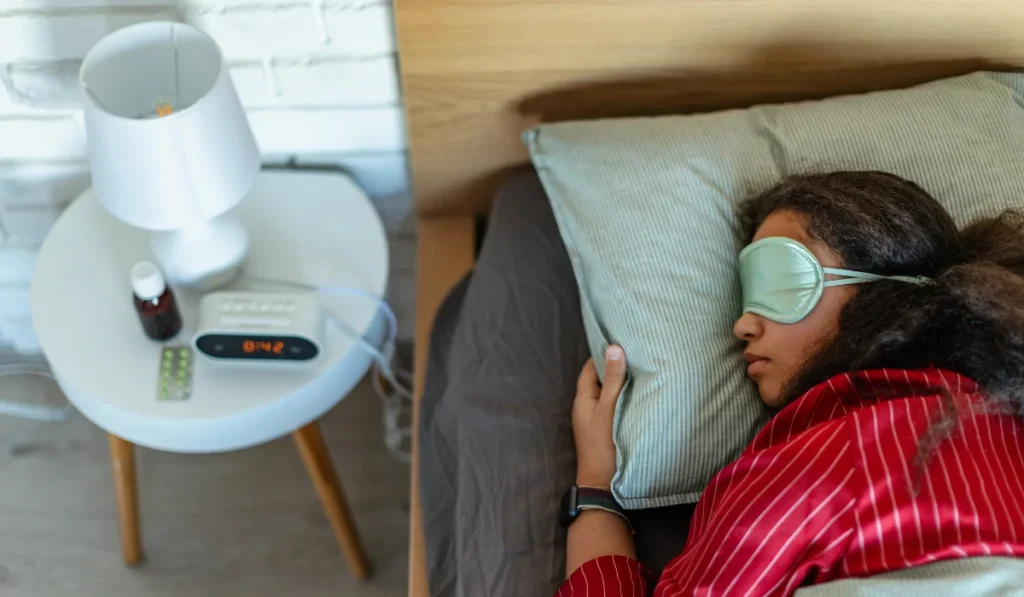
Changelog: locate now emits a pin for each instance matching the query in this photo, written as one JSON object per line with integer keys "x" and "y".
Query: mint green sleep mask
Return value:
{"x": 783, "y": 281}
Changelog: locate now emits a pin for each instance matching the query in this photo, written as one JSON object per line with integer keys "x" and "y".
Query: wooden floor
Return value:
{"x": 245, "y": 523}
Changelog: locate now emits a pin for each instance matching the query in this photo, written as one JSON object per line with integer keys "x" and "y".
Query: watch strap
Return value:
{"x": 596, "y": 498}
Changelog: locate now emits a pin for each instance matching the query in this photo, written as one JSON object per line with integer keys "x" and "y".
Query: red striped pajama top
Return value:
{"x": 836, "y": 486}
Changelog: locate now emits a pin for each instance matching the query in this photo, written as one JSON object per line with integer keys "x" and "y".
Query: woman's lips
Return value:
{"x": 755, "y": 363}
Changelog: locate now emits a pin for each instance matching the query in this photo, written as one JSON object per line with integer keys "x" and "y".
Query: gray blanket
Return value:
{"x": 495, "y": 431}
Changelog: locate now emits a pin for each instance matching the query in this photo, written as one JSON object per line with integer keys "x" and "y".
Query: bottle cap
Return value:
{"x": 147, "y": 281}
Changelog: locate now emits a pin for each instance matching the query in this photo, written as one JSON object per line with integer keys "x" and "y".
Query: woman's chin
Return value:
{"x": 770, "y": 393}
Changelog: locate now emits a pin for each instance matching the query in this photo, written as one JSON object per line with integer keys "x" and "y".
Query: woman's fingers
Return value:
{"x": 614, "y": 374}
{"x": 587, "y": 385}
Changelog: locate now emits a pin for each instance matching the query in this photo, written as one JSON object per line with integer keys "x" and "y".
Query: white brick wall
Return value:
{"x": 317, "y": 77}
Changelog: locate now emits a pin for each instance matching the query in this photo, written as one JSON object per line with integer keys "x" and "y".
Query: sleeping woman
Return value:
{"x": 899, "y": 439}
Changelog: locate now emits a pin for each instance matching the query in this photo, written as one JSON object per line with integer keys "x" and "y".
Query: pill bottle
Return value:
{"x": 154, "y": 301}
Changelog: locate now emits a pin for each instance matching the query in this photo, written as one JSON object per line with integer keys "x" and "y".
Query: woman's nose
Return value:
{"x": 748, "y": 327}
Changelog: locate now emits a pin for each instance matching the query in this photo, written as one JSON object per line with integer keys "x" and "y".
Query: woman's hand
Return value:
{"x": 596, "y": 532}
{"x": 592, "y": 416}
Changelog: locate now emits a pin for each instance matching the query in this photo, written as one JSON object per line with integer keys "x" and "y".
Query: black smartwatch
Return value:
{"x": 577, "y": 499}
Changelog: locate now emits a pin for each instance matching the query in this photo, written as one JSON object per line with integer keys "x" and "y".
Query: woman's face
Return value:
{"x": 776, "y": 352}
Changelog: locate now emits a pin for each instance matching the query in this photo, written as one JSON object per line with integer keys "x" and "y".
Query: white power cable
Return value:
{"x": 32, "y": 411}
{"x": 398, "y": 400}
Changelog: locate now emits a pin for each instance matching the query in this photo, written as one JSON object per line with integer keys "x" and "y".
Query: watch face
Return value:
{"x": 568, "y": 512}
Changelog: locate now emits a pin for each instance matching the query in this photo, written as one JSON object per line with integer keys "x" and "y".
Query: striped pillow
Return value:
{"x": 646, "y": 209}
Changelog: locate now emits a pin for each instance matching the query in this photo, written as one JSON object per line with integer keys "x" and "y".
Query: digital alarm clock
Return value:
{"x": 259, "y": 327}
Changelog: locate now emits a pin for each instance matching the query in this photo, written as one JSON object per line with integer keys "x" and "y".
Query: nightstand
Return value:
{"x": 309, "y": 227}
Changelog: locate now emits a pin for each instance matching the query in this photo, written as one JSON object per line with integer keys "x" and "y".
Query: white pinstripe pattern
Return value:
{"x": 570, "y": 583}
{"x": 709, "y": 506}
{"x": 888, "y": 483}
{"x": 672, "y": 567}
{"x": 871, "y": 487}
{"x": 992, "y": 472}
{"x": 821, "y": 451}
{"x": 945, "y": 473}
{"x": 729, "y": 515}
{"x": 796, "y": 415}
{"x": 1016, "y": 473}
{"x": 845, "y": 566}
{"x": 998, "y": 495}
{"x": 1013, "y": 474}
{"x": 835, "y": 542}
{"x": 849, "y": 382}
{"x": 600, "y": 572}
{"x": 832, "y": 414}
{"x": 814, "y": 415}
{"x": 796, "y": 579}
{"x": 1016, "y": 440}
{"x": 771, "y": 430}
{"x": 835, "y": 394}
{"x": 618, "y": 580}
{"x": 791, "y": 584}
{"x": 926, "y": 470}
{"x": 984, "y": 492}
{"x": 781, "y": 550}
{"x": 889, "y": 381}
{"x": 967, "y": 487}
{"x": 675, "y": 565}
{"x": 632, "y": 585}
{"x": 861, "y": 542}
{"x": 907, "y": 477}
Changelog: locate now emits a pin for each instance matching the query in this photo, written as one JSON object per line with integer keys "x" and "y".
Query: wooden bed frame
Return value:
{"x": 477, "y": 72}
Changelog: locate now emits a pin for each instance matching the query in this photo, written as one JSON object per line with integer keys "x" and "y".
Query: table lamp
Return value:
{"x": 170, "y": 148}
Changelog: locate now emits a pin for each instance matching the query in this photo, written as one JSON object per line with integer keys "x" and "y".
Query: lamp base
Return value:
{"x": 203, "y": 256}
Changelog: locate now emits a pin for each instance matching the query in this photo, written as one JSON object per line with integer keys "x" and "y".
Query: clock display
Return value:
{"x": 257, "y": 347}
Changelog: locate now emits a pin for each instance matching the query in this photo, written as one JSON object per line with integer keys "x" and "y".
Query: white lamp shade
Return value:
{"x": 164, "y": 172}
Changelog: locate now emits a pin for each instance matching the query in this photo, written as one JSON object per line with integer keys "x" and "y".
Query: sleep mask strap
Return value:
{"x": 852, "y": 277}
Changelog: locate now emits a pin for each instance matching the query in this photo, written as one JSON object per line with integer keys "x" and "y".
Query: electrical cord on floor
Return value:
{"x": 55, "y": 414}
{"x": 397, "y": 398}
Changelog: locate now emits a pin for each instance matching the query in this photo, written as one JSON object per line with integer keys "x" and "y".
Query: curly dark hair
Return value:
{"x": 971, "y": 320}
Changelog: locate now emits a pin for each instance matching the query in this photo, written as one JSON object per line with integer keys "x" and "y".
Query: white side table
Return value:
{"x": 315, "y": 228}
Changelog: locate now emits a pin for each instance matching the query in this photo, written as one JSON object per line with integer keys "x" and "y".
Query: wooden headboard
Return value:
{"x": 477, "y": 72}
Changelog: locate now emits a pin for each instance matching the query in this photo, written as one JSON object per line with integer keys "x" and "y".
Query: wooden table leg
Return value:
{"x": 122, "y": 460}
{"x": 321, "y": 471}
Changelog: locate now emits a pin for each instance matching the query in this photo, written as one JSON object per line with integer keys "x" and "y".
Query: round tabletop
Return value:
{"x": 310, "y": 227}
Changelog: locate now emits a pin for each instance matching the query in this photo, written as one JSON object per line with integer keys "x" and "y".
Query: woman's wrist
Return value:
{"x": 598, "y": 533}
{"x": 607, "y": 516}
{"x": 595, "y": 481}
